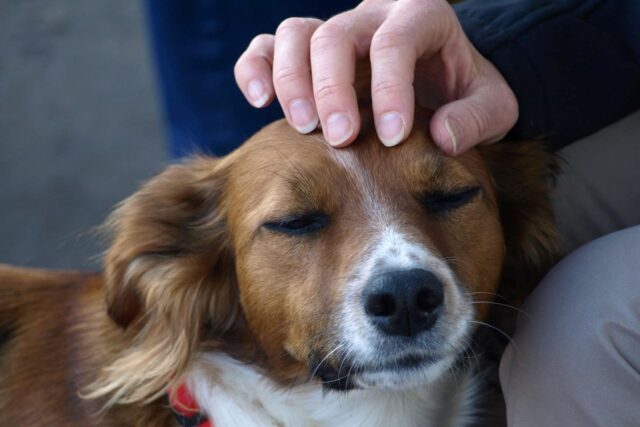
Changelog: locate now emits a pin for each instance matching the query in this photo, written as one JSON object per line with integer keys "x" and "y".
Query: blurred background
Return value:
{"x": 80, "y": 126}
{"x": 81, "y": 90}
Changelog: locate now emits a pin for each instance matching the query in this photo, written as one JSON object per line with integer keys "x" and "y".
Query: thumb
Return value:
{"x": 485, "y": 115}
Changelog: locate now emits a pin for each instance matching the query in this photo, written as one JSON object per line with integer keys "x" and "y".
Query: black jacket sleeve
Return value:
{"x": 574, "y": 65}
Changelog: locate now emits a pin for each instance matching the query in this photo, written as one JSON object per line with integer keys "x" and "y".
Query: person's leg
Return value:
{"x": 598, "y": 191}
{"x": 575, "y": 359}
{"x": 576, "y": 355}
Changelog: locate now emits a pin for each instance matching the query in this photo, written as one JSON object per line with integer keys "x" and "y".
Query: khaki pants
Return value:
{"x": 575, "y": 358}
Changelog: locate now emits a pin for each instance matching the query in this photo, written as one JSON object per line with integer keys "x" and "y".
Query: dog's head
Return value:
{"x": 355, "y": 267}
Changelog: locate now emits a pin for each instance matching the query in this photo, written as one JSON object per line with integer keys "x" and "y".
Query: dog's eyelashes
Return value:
{"x": 441, "y": 202}
{"x": 296, "y": 225}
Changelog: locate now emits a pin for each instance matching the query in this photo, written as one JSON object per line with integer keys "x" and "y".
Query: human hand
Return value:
{"x": 418, "y": 53}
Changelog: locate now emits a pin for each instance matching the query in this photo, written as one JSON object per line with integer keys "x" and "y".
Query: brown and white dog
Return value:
{"x": 287, "y": 284}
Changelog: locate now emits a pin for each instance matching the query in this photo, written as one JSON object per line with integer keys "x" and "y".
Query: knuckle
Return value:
{"x": 241, "y": 64}
{"x": 427, "y": 6}
{"x": 286, "y": 75}
{"x": 292, "y": 25}
{"x": 364, "y": 4}
{"x": 260, "y": 40}
{"x": 327, "y": 34}
{"x": 327, "y": 88}
{"x": 385, "y": 87}
{"x": 389, "y": 40}
{"x": 340, "y": 23}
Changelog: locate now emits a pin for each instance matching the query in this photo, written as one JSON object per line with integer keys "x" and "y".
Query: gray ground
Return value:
{"x": 80, "y": 125}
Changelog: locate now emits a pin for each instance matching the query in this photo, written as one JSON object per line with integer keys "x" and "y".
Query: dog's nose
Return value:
{"x": 403, "y": 302}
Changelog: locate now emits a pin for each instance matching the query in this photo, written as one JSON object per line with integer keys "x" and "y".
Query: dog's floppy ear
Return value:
{"x": 524, "y": 175}
{"x": 168, "y": 273}
{"x": 175, "y": 224}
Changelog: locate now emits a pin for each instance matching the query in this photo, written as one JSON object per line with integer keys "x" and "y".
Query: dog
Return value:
{"x": 286, "y": 284}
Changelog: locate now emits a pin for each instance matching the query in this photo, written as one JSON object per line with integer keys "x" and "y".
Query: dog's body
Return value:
{"x": 266, "y": 280}
{"x": 55, "y": 336}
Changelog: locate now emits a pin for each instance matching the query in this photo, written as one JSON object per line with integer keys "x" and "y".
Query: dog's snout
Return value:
{"x": 403, "y": 302}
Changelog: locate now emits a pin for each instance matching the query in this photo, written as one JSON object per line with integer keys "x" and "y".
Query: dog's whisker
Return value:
{"x": 338, "y": 347}
{"x": 519, "y": 310}
{"x": 344, "y": 358}
{"x": 491, "y": 294}
{"x": 353, "y": 365}
{"x": 500, "y": 331}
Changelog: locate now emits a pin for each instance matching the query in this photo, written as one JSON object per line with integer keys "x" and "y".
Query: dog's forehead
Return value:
{"x": 280, "y": 173}
{"x": 279, "y": 170}
{"x": 280, "y": 148}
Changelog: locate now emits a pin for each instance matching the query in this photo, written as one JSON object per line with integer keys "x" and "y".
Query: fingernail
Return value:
{"x": 257, "y": 93}
{"x": 339, "y": 128}
{"x": 391, "y": 128}
{"x": 303, "y": 116}
{"x": 455, "y": 133}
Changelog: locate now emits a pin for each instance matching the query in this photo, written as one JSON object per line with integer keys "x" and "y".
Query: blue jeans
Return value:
{"x": 195, "y": 45}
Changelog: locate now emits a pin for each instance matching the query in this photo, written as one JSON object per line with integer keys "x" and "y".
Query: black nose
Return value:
{"x": 403, "y": 302}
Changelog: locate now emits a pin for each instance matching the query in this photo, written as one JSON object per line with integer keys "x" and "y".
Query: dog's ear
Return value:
{"x": 168, "y": 273}
{"x": 524, "y": 176}
{"x": 174, "y": 226}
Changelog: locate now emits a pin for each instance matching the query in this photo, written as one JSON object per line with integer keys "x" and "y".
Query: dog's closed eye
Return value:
{"x": 441, "y": 202}
{"x": 298, "y": 224}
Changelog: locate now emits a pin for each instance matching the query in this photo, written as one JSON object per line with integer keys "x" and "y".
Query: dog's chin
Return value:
{"x": 405, "y": 373}
{"x": 399, "y": 365}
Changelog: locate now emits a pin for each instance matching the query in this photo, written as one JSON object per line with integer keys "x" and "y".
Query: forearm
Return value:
{"x": 573, "y": 65}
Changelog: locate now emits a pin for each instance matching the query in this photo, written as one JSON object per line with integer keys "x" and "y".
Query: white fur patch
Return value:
{"x": 237, "y": 395}
{"x": 361, "y": 176}
{"x": 393, "y": 250}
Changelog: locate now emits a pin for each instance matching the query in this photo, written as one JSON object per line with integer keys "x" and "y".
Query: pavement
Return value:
{"x": 80, "y": 125}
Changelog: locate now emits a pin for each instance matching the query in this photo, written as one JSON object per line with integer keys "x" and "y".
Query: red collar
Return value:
{"x": 186, "y": 409}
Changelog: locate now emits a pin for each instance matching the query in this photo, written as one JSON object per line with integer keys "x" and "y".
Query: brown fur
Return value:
{"x": 190, "y": 269}
{"x": 56, "y": 338}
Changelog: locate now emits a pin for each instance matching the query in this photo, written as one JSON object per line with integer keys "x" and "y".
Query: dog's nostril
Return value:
{"x": 427, "y": 300}
{"x": 380, "y": 305}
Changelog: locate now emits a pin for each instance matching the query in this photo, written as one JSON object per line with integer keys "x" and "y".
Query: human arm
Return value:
{"x": 573, "y": 65}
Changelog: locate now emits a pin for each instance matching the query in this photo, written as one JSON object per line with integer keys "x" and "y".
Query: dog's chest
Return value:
{"x": 237, "y": 396}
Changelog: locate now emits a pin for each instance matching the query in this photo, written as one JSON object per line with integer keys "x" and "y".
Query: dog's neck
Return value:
{"x": 235, "y": 394}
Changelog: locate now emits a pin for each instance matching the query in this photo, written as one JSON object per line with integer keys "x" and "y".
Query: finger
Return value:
{"x": 414, "y": 28}
{"x": 253, "y": 71}
{"x": 335, "y": 46}
{"x": 485, "y": 114}
{"x": 292, "y": 72}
